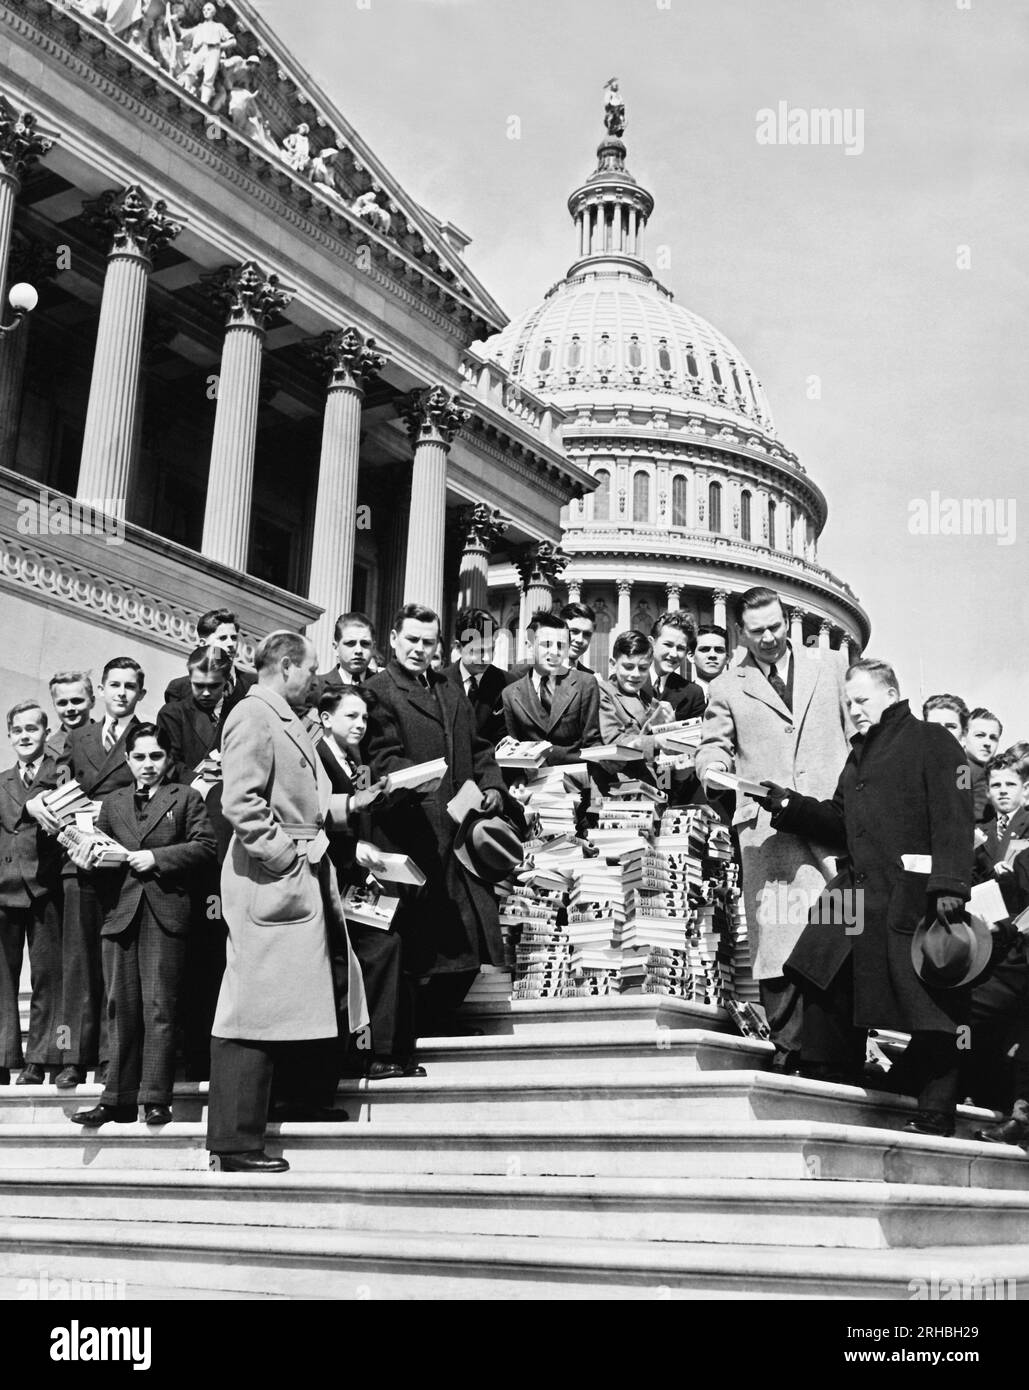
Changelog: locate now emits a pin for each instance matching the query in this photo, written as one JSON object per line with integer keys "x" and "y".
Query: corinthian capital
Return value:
{"x": 346, "y": 358}
{"x": 434, "y": 416}
{"x": 131, "y": 222}
{"x": 249, "y": 296}
{"x": 542, "y": 562}
{"x": 482, "y": 526}
{"x": 21, "y": 142}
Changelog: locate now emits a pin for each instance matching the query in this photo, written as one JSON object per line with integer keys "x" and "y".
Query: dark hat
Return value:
{"x": 949, "y": 955}
{"x": 488, "y": 846}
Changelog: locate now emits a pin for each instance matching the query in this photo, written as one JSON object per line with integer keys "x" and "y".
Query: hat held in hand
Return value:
{"x": 947, "y": 955}
{"x": 487, "y": 845}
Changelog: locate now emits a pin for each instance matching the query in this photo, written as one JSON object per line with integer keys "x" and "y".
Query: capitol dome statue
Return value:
{"x": 697, "y": 499}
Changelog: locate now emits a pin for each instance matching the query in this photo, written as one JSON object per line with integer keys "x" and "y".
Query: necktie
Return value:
{"x": 28, "y": 775}
{"x": 142, "y": 800}
{"x": 779, "y": 686}
{"x": 109, "y": 738}
{"x": 545, "y": 697}
{"x": 473, "y": 686}
{"x": 1002, "y": 825}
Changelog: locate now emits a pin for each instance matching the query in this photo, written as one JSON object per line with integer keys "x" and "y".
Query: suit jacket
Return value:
{"x": 573, "y": 722}
{"x": 177, "y": 830}
{"x": 440, "y": 925}
{"x": 98, "y": 772}
{"x": 329, "y": 680}
{"x": 180, "y": 688}
{"x": 487, "y": 703}
{"x": 278, "y": 982}
{"x": 30, "y": 859}
{"x": 58, "y": 743}
{"x": 749, "y": 729}
{"x": 900, "y": 792}
{"x": 996, "y": 847}
{"x": 193, "y": 736}
{"x": 685, "y": 697}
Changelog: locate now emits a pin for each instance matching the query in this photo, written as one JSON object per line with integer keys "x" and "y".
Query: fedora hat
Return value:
{"x": 488, "y": 846}
{"x": 949, "y": 955}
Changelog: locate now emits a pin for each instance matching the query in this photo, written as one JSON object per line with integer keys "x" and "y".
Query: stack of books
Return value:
{"x": 522, "y": 753}
{"x": 554, "y": 795}
{"x": 69, "y": 802}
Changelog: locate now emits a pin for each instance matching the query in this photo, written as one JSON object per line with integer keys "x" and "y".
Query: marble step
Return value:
{"x": 547, "y": 1096}
{"x": 723, "y": 1211}
{"x": 543, "y": 1019}
{"x": 226, "y": 1260}
{"x": 766, "y": 1149}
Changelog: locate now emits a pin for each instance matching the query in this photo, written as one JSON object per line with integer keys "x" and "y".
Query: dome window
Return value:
{"x": 736, "y": 380}
{"x": 604, "y": 355}
{"x": 716, "y": 371}
{"x": 745, "y": 516}
{"x": 574, "y": 353}
{"x": 789, "y": 529}
{"x": 664, "y": 357}
{"x": 691, "y": 361}
{"x": 635, "y": 353}
{"x": 546, "y": 356}
{"x": 602, "y": 496}
{"x": 771, "y": 524}
{"x": 680, "y": 502}
{"x": 641, "y": 497}
{"x": 714, "y": 507}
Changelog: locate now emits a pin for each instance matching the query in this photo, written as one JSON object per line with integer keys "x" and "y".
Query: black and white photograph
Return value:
{"x": 513, "y": 641}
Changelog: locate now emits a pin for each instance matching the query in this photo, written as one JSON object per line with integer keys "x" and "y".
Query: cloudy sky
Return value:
{"x": 897, "y": 276}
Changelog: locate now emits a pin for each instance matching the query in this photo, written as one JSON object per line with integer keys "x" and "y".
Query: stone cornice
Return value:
{"x": 531, "y": 464}
{"x": 110, "y": 68}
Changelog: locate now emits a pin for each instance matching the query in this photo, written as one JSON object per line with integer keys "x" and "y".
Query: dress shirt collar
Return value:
{"x": 782, "y": 666}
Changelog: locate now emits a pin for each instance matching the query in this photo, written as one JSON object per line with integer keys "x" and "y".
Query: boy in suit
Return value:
{"x": 194, "y": 729}
{"x": 354, "y": 639}
{"x": 146, "y": 918}
{"x": 344, "y": 720}
{"x": 550, "y": 701}
{"x": 1007, "y": 782}
{"x": 30, "y": 901}
{"x": 217, "y": 628}
{"x": 582, "y": 624}
{"x": 674, "y": 636}
{"x": 73, "y": 698}
{"x": 96, "y": 757}
{"x": 625, "y": 708}
{"x": 981, "y": 741}
{"x": 474, "y": 675}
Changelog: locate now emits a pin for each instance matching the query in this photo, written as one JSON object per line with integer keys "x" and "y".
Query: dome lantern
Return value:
{"x": 610, "y": 210}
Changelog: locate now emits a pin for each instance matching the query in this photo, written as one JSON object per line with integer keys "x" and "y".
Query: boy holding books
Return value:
{"x": 166, "y": 834}
{"x": 343, "y": 713}
{"x": 628, "y": 708}
{"x": 30, "y": 901}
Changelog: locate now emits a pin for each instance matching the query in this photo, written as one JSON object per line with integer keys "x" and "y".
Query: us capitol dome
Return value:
{"x": 696, "y": 498}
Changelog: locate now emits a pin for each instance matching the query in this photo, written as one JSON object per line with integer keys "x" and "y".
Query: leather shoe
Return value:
{"x": 157, "y": 1114}
{"x": 255, "y": 1162}
{"x": 69, "y": 1077}
{"x": 32, "y": 1075}
{"x": 379, "y": 1070}
{"x": 5, "y": 1076}
{"x": 936, "y": 1122}
{"x": 307, "y": 1114}
{"x": 414, "y": 1068}
{"x": 100, "y": 1114}
{"x": 1009, "y": 1131}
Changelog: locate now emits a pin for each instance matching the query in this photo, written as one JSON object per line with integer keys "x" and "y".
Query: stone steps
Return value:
{"x": 767, "y": 1150}
{"x": 233, "y": 1261}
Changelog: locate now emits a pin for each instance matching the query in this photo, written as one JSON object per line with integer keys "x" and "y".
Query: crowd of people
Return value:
{"x": 191, "y": 888}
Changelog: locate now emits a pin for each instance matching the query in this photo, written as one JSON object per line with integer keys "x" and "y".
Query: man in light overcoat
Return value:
{"x": 779, "y": 714}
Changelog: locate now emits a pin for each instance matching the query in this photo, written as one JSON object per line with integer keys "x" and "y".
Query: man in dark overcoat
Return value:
{"x": 451, "y": 925}
{"x": 903, "y": 813}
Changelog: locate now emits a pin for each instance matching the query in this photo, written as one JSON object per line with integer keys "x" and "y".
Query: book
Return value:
{"x": 610, "y": 753}
{"x": 423, "y": 776}
{"x": 111, "y": 852}
{"x": 370, "y": 905}
{"x": 389, "y": 868}
{"x": 527, "y": 753}
{"x": 728, "y": 781}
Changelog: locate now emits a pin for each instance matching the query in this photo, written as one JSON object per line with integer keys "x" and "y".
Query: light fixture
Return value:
{"x": 22, "y": 298}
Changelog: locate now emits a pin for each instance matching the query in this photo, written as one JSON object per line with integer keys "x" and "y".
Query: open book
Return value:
{"x": 423, "y": 776}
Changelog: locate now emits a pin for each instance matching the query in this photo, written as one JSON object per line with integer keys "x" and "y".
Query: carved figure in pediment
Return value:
{"x": 296, "y": 148}
{"x": 206, "y": 44}
{"x": 368, "y": 210}
{"x": 322, "y": 171}
{"x": 239, "y": 78}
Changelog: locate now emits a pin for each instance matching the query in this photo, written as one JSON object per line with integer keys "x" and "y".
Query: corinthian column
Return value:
{"x": 720, "y": 598}
{"x": 482, "y": 527}
{"x": 251, "y": 297}
{"x": 433, "y": 419}
{"x": 21, "y": 145}
{"x": 349, "y": 360}
{"x": 136, "y": 229}
{"x": 540, "y": 566}
{"x": 796, "y": 617}
{"x": 624, "y": 623}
